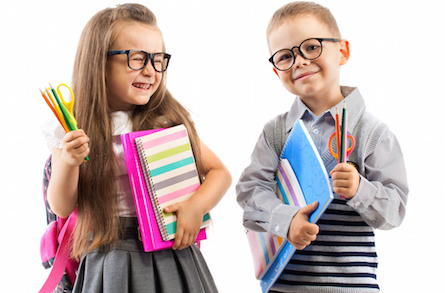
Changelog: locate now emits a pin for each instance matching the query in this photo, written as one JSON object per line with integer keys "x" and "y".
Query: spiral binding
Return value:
{"x": 153, "y": 198}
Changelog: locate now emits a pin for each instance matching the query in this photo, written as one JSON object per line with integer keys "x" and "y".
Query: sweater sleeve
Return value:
{"x": 263, "y": 211}
{"x": 383, "y": 191}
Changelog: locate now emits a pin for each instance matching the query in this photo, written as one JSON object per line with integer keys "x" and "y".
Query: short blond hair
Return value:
{"x": 301, "y": 8}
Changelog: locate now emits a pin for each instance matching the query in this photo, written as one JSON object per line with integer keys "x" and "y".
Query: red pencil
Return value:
{"x": 337, "y": 133}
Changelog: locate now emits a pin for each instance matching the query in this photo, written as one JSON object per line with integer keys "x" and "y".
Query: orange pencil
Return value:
{"x": 53, "y": 109}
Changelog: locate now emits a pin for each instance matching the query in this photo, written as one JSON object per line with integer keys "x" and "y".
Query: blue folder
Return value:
{"x": 313, "y": 178}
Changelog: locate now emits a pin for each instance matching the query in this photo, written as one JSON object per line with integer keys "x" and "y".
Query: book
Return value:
{"x": 162, "y": 171}
{"x": 265, "y": 247}
{"x": 301, "y": 179}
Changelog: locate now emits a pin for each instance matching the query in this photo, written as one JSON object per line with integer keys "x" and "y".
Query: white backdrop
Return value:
{"x": 220, "y": 72}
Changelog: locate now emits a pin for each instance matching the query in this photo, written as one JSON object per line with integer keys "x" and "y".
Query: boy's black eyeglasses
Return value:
{"x": 138, "y": 59}
{"x": 309, "y": 49}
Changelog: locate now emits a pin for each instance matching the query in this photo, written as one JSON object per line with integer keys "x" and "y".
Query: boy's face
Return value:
{"x": 312, "y": 80}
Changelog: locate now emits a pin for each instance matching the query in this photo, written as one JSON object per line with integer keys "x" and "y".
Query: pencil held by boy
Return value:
{"x": 307, "y": 52}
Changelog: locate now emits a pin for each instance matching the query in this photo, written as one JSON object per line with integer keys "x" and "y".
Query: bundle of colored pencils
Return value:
{"x": 61, "y": 109}
{"x": 342, "y": 135}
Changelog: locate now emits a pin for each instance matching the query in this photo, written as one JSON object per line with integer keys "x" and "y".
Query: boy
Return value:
{"x": 338, "y": 253}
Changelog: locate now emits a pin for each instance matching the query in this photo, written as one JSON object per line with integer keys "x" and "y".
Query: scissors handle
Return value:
{"x": 67, "y": 107}
{"x": 348, "y": 150}
{"x": 70, "y": 104}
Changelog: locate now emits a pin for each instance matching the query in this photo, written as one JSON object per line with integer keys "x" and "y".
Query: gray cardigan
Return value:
{"x": 380, "y": 200}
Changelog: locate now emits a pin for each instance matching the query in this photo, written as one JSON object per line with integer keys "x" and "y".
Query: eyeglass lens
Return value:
{"x": 309, "y": 49}
{"x": 138, "y": 59}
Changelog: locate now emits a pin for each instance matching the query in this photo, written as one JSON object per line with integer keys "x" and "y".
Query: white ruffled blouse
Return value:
{"x": 54, "y": 134}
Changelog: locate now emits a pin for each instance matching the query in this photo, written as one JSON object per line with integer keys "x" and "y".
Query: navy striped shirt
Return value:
{"x": 343, "y": 255}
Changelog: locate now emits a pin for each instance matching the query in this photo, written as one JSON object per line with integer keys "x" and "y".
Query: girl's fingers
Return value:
{"x": 75, "y": 147}
{"x": 184, "y": 242}
{"x": 75, "y": 139}
{"x": 178, "y": 238}
{"x": 71, "y": 135}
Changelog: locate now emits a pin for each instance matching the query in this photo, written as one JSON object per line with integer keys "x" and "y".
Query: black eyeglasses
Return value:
{"x": 138, "y": 59}
{"x": 309, "y": 49}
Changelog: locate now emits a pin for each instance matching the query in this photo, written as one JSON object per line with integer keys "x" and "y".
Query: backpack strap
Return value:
{"x": 275, "y": 131}
{"x": 62, "y": 255}
{"x": 50, "y": 216}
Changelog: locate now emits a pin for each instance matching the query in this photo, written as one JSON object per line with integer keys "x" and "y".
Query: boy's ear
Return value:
{"x": 344, "y": 50}
{"x": 276, "y": 72}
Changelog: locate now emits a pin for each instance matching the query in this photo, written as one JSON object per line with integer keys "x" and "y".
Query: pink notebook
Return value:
{"x": 149, "y": 197}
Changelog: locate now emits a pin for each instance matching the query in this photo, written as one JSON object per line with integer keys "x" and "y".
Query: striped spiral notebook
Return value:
{"x": 170, "y": 173}
{"x": 265, "y": 247}
{"x": 162, "y": 171}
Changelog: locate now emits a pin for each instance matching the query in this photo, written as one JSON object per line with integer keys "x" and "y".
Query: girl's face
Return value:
{"x": 127, "y": 87}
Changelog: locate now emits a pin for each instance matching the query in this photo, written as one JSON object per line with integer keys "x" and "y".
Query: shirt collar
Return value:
{"x": 121, "y": 122}
{"x": 354, "y": 103}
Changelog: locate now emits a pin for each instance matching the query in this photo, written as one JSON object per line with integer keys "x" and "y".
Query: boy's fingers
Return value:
{"x": 307, "y": 210}
{"x": 312, "y": 231}
{"x": 342, "y": 167}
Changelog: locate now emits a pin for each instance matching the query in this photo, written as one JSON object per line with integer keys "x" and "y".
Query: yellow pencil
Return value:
{"x": 54, "y": 109}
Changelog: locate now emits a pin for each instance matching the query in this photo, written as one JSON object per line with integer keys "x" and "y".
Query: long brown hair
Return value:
{"x": 98, "y": 216}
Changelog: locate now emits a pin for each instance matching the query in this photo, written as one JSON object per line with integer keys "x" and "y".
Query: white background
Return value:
{"x": 220, "y": 72}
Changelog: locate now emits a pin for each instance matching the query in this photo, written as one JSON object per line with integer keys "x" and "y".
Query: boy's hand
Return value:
{"x": 189, "y": 220}
{"x": 75, "y": 147}
{"x": 345, "y": 180}
{"x": 301, "y": 232}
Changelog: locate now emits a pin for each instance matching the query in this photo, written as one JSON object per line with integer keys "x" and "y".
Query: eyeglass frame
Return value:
{"x": 321, "y": 40}
{"x": 150, "y": 56}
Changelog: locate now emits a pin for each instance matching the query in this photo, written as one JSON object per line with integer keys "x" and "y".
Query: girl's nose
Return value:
{"x": 148, "y": 69}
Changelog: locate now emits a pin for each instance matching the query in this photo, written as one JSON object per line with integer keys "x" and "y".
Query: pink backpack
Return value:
{"x": 55, "y": 246}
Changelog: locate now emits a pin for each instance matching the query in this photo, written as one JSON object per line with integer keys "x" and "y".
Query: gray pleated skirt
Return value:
{"x": 127, "y": 268}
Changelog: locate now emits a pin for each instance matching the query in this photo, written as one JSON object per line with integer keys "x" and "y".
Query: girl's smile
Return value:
{"x": 127, "y": 87}
{"x": 142, "y": 86}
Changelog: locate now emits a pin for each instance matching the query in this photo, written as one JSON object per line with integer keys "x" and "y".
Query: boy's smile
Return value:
{"x": 306, "y": 75}
{"x": 316, "y": 82}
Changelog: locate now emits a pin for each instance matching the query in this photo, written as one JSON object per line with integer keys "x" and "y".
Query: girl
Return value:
{"x": 119, "y": 83}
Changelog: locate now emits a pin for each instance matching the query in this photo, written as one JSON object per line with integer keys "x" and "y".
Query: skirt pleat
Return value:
{"x": 127, "y": 268}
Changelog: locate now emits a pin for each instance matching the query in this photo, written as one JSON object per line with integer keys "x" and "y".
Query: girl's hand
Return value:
{"x": 346, "y": 180}
{"x": 189, "y": 220}
{"x": 190, "y": 213}
{"x": 75, "y": 147}
{"x": 63, "y": 187}
{"x": 301, "y": 232}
